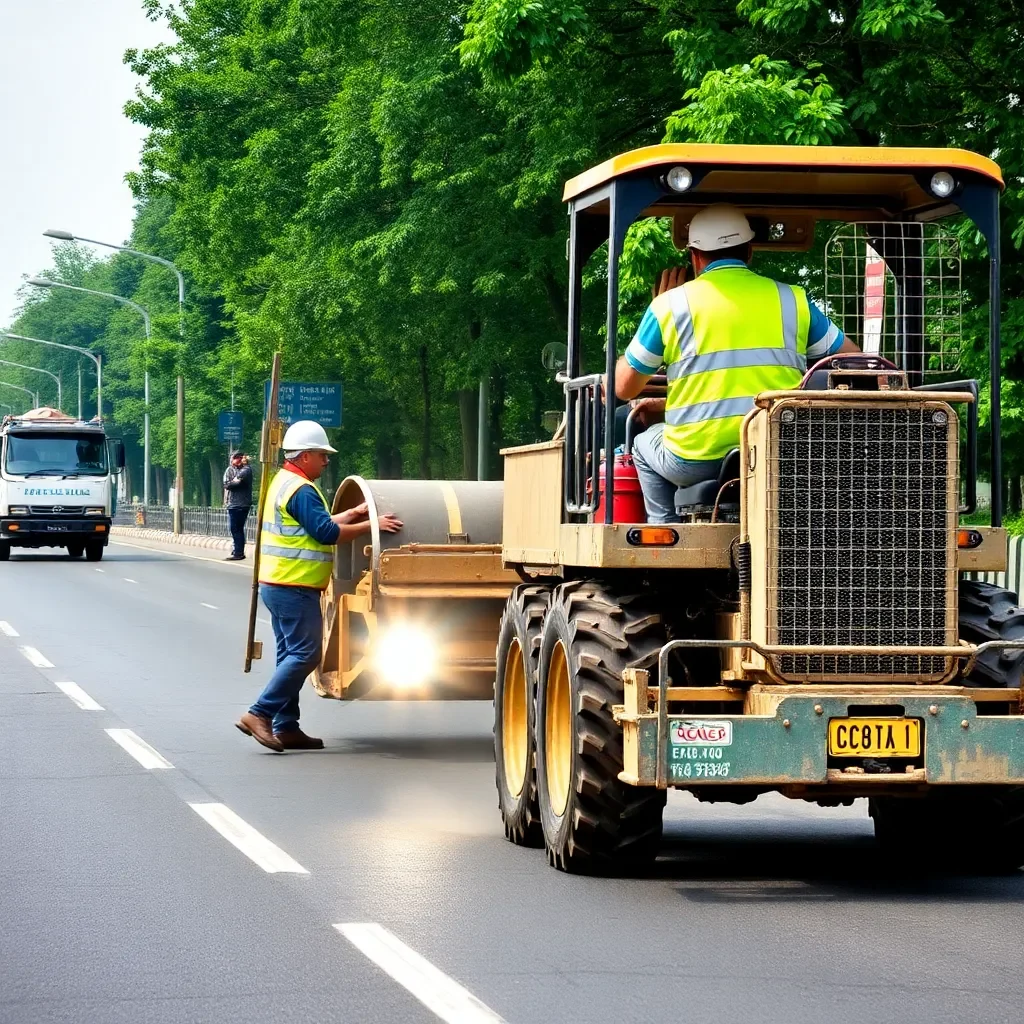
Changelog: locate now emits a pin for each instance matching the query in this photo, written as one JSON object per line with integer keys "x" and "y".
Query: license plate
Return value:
{"x": 53, "y": 528}
{"x": 874, "y": 737}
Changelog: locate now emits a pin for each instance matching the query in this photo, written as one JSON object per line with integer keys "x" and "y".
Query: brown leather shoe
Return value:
{"x": 296, "y": 739}
{"x": 260, "y": 730}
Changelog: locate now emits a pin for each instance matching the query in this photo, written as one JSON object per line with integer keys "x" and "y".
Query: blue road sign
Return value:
{"x": 229, "y": 427}
{"x": 313, "y": 401}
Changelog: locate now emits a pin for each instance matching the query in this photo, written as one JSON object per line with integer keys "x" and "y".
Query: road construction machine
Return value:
{"x": 810, "y": 625}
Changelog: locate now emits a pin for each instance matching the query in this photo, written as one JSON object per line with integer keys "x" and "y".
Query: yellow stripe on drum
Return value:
{"x": 451, "y": 503}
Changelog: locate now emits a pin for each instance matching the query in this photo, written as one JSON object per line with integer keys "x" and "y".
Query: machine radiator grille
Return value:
{"x": 862, "y": 541}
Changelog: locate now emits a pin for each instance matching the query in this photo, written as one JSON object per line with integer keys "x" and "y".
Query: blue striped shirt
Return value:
{"x": 646, "y": 352}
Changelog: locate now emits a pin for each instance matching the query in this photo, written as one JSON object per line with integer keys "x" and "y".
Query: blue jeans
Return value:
{"x": 237, "y": 515}
{"x": 298, "y": 630}
{"x": 662, "y": 471}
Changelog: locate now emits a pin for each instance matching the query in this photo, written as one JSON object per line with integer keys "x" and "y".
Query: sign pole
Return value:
{"x": 270, "y": 444}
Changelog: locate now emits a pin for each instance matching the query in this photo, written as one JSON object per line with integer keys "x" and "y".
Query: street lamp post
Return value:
{"x": 95, "y": 357}
{"x": 34, "y": 395}
{"x": 43, "y": 282}
{"x": 179, "y": 468}
{"x": 39, "y": 369}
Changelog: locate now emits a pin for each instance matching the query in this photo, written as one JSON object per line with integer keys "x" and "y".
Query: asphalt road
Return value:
{"x": 120, "y": 901}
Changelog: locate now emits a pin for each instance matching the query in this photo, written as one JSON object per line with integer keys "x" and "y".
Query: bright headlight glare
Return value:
{"x": 95, "y": 510}
{"x": 406, "y": 655}
{"x": 943, "y": 184}
{"x": 679, "y": 179}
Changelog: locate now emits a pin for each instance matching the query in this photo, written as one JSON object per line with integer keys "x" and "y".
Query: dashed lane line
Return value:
{"x": 443, "y": 996}
{"x": 240, "y": 834}
{"x": 127, "y": 579}
{"x": 99, "y": 570}
{"x": 37, "y": 659}
{"x": 146, "y": 755}
{"x": 79, "y": 696}
{"x": 8, "y": 629}
{"x": 212, "y": 607}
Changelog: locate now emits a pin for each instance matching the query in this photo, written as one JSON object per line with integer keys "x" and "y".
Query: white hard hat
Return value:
{"x": 719, "y": 227}
{"x": 306, "y": 436}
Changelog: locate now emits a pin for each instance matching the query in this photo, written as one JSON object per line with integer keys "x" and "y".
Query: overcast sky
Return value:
{"x": 65, "y": 144}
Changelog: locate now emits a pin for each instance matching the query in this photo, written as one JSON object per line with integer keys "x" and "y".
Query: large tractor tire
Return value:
{"x": 515, "y": 703}
{"x": 93, "y": 551}
{"x": 592, "y": 822}
{"x": 988, "y": 612}
{"x": 5, "y": 551}
{"x": 977, "y": 828}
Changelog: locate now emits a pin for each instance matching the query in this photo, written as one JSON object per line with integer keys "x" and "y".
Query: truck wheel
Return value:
{"x": 5, "y": 550}
{"x": 93, "y": 552}
{"x": 75, "y": 550}
{"x": 592, "y": 822}
{"x": 515, "y": 698}
{"x": 961, "y": 828}
{"x": 988, "y": 612}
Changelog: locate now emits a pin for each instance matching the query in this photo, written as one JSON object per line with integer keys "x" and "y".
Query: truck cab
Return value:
{"x": 57, "y": 484}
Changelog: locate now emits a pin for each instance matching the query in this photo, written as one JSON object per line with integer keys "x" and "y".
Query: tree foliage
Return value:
{"x": 374, "y": 188}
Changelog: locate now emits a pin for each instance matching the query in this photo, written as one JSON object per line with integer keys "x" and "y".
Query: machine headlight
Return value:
{"x": 406, "y": 655}
{"x": 95, "y": 510}
{"x": 19, "y": 510}
{"x": 679, "y": 179}
{"x": 943, "y": 183}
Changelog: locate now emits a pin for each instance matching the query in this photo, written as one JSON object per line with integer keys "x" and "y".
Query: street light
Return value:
{"x": 39, "y": 369}
{"x": 43, "y": 282}
{"x": 179, "y": 467}
{"x": 95, "y": 357}
{"x": 17, "y": 387}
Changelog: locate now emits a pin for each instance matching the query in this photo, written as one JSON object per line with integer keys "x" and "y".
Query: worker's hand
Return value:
{"x": 671, "y": 278}
{"x": 389, "y": 523}
{"x": 350, "y": 515}
{"x": 359, "y": 511}
{"x": 649, "y": 410}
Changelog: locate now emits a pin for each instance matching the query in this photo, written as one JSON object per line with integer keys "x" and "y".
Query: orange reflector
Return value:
{"x": 652, "y": 536}
{"x": 100, "y": 528}
{"x": 968, "y": 538}
{"x": 13, "y": 526}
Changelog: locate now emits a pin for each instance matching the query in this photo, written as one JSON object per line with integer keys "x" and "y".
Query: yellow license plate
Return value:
{"x": 874, "y": 737}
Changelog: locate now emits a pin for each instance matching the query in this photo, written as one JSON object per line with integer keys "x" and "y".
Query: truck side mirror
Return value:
{"x": 554, "y": 356}
{"x": 116, "y": 453}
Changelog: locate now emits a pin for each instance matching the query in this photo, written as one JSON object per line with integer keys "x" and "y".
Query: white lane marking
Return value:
{"x": 446, "y": 998}
{"x": 37, "y": 659}
{"x": 7, "y": 628}
{"x": 212, "y": 607}
{"x": 127, "y": 580}
{"x": 240, "y": 834}
{"x": 266, "y": 622}
{"x": 244, "y": 566}
{"x": 138, "y": 748}
{"x": 79, "y": 696}
{"x": 99, "y": 570}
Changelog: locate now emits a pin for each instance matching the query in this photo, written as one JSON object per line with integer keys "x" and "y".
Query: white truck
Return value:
{"x": 57, "y": 483}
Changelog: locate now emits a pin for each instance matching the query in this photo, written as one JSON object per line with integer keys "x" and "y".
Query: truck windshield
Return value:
{"x": 57, "y": 454}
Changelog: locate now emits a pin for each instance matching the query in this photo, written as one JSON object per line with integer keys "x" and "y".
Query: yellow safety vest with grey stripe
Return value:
{"x": 728, "y": 335}
{"x": 290, "y": 556}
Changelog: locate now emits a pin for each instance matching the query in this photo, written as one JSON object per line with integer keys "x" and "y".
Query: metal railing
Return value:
{"x": 206, "y": 522}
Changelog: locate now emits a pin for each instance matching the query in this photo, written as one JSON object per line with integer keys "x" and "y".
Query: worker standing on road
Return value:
{"x": 238, "y": 492}
{"x": 724, "y": 338}
{"x": 296, "y": 558}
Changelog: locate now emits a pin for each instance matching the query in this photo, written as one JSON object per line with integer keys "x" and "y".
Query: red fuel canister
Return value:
{"x": 628, "y": 501}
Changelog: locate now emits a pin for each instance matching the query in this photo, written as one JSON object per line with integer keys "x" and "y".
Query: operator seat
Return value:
{"x": 697, "y": 502}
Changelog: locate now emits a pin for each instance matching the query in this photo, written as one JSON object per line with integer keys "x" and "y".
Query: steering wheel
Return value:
{"x": 848, "y": 361}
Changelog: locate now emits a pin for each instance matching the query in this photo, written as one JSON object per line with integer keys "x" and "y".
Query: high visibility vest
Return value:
{"x": 728, "y": 335}
{"x": 290, "y": 556}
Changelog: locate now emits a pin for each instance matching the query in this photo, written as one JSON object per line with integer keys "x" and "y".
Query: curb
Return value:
{"x": 190, "y": 540}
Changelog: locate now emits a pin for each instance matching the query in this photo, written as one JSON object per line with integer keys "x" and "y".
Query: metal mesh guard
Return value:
{"x": 861, "y": 537}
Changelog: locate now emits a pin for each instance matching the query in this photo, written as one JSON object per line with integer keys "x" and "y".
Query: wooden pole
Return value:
{"x": 270, "y": 445}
